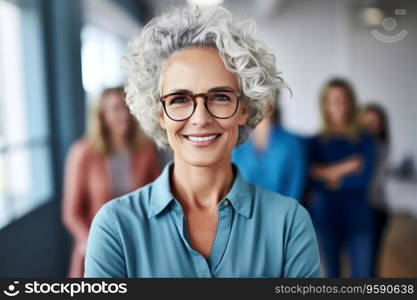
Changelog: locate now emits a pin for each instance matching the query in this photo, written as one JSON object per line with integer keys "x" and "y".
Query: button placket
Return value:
{"x": 199, "y": 261}
{"x": 222, "y": 236}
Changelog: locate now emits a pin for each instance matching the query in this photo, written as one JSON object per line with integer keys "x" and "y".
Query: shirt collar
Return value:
{"x": 241, "y": 194}
{"x": 161, "y": 194}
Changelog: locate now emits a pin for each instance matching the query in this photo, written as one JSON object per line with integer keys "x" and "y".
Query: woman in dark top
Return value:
{"x": 375, "y": 119}
{"x": 341, "y": 163}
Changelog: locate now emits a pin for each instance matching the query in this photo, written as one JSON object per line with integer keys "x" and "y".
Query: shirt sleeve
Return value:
{"x": 104, "y": 255}
{"x": 302, "y": 258}
{"x": 362, "y": 179}
{"x": 297, "y": 177}
{"x": 236, "y": 155}
{"x": 313, "y": 157}
{"x": 75, "y": 200}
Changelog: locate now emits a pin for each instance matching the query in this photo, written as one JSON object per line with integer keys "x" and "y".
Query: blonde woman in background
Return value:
{"x": 113, "y": 159}
{"x": 341, "y": 164}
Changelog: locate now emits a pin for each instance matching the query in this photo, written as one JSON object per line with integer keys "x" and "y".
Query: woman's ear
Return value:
{"x": 162, "y": 120}
{"x": 244, "y": 115}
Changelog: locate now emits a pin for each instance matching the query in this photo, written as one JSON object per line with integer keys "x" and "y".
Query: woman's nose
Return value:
{"x": 201, "y": 116}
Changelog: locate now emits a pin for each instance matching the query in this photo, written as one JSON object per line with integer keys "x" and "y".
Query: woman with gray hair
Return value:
{"x": 199, "y": 82}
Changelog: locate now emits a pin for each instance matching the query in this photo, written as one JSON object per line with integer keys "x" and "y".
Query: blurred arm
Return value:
{"x": 334, "y": 172}
{"x": 75, "y": 202}
{"x": 297, "y": 176}
{"x": 362, "y": 178}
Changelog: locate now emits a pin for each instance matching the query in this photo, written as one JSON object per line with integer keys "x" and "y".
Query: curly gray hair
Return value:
{"x": 188, "y": 27}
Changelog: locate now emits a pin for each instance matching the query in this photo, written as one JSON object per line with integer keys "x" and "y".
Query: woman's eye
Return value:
{"x": 221, "y": 97}
{"x": 178, "y": 100}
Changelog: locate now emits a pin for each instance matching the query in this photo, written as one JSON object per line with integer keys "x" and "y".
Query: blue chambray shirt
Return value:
{"x": 259, "y": 234}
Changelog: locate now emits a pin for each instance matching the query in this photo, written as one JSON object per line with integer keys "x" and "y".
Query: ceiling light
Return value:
{"x": 204, "y": 3}
{"x": 372, "y": 16}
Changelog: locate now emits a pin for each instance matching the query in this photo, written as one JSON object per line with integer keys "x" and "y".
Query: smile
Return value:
{"x": 202, "y": 140}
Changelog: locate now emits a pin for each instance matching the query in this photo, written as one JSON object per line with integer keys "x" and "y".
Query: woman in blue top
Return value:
{"x": 273, "y": 158}
{"x": 199, "y": 82}
{"x": 341, "y": 158}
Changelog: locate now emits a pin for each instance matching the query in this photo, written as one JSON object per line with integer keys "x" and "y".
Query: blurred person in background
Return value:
{"x": 113, "y": 159}
{"x": 341, "y": 165}
{"x": 375, "y": 119}
{"x": 273, "y": 157}
{"x": 199, "y": 82}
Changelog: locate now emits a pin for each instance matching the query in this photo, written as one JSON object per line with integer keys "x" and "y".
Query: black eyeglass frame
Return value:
{"x": 205, "y": 97}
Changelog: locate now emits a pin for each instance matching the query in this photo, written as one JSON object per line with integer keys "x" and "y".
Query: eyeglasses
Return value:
{"x": 221, "y": 103}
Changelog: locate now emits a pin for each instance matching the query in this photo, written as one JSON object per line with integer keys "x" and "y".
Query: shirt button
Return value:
{"x": 225, "y": 203}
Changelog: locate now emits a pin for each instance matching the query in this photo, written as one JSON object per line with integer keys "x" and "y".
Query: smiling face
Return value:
{"x": 202, "y": 140}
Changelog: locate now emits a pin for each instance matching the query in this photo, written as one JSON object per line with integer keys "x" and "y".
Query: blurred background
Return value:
{"x": 56, "y": 57}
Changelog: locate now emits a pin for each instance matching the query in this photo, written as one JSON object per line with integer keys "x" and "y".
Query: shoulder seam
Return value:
{"x": 113, "y": 226}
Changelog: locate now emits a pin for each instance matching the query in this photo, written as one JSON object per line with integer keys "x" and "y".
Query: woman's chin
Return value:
{"x": 203, "y": 161}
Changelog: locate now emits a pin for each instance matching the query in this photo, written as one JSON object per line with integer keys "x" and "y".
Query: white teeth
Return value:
{"x": 201, "y": 138}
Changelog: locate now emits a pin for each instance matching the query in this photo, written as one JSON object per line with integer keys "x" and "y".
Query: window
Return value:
{"x": 101, "y": 57}
{"x": 106, "y": 31}
{"x": 25, "y": 164}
